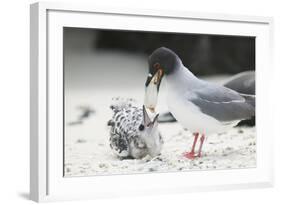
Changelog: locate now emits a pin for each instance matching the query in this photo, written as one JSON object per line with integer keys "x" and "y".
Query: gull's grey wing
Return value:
{"x": 222, "y": 103}
{"x": 119, "y": 145}
{"x": 242, "y": 82}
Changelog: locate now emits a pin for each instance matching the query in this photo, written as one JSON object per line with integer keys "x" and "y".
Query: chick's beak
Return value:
{"x": 146, "y": 119}
{"x": 152, "y": 85}
{"x": 155, "y": 120}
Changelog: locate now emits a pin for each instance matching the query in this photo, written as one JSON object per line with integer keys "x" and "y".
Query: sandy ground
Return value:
{"x": 92, "y": 79}
{"x": 87, "y": 150}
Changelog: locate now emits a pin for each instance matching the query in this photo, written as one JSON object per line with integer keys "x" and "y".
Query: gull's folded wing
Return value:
{"x": 222, "y": 103}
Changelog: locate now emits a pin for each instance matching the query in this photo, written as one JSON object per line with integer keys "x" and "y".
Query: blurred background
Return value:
{"x": 113, "y": 57}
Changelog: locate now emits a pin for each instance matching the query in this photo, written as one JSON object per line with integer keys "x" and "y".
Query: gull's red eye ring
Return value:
{"x": 156, "y": 66}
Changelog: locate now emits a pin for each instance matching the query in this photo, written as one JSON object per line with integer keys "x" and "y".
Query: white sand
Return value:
{"x": 87, "y": 150}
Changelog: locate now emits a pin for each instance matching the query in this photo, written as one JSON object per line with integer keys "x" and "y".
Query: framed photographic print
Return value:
{"x": 128, "y": 101}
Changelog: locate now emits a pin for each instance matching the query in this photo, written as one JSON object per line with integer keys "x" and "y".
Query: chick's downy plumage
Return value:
{"x": 132, "y": 133}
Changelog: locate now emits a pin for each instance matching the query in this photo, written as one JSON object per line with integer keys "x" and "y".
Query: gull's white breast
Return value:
{"x": 188, "y": 114}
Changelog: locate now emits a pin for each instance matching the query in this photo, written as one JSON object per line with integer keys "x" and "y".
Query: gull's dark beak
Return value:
{"x": 152, "y": 85}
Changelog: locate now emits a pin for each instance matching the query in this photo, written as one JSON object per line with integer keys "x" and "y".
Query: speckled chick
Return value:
{"x": 133, "y": 134}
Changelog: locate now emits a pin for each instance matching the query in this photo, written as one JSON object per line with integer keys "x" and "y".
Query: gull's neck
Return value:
{"x": 182, "y": 79}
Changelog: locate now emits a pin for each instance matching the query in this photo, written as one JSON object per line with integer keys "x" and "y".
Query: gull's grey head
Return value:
{"x": 162, "y": 61}
{"x": 163, "y": 58}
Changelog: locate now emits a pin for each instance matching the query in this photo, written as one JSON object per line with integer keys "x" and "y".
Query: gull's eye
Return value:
{"x": 141, "y": 127}
{"x": 156, "y": 65}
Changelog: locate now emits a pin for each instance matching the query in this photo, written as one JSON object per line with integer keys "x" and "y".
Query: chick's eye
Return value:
{"x": 141, "y": 127}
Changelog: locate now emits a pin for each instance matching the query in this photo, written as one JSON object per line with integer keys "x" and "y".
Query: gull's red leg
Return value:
{"x": 191, "y": 154}
{"x": 202, "y": 139}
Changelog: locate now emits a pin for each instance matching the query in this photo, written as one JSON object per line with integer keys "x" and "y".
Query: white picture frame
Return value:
{"x": 46, "y": 157}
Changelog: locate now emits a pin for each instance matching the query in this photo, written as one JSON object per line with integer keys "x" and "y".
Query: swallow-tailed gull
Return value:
{"x": 244, "y": 82}
{"x": 199, "y": 106}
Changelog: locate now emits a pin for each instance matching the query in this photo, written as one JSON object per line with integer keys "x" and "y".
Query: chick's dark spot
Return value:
{"x": 141, "y": 127}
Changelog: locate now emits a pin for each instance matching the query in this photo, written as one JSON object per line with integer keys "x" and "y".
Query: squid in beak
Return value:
{"x": 152, "y": 85}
